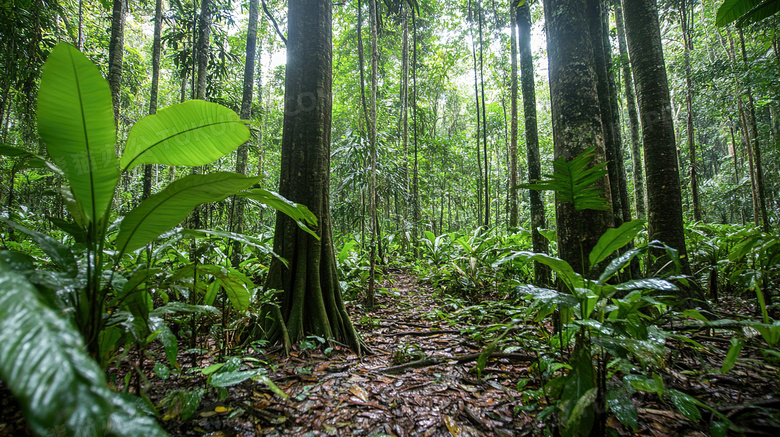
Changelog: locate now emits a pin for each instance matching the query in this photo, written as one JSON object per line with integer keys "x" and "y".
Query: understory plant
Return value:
{"x": 97, "y": 294}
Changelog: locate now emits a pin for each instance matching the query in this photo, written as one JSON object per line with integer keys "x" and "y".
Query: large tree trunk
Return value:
{"x": 311, "y": 302}
{"x": 237, "y": 217}
{"x": 538, "y": 241}
{"x": 513, "y": 119}
{"x": 664, "y": 197}
{"x": 633, "y": 119}
{"x": 576, "y": 121}
{"x": 156, "y": 49}
{"x": 116, "y": 50}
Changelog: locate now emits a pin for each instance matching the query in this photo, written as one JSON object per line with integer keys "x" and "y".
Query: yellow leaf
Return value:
{"x": 220, "y": 409}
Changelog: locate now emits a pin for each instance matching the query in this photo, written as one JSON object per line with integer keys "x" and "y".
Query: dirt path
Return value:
{"x": 346, "y": 395}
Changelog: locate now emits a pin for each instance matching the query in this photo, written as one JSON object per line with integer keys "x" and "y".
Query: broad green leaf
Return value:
{"x": 578, "y": 392}
{"x": 58, "y": 386}
{"x": 300, "y": 213}
{"x": 271, "y": 385}
{"x": 226, "y": 379}
{"x": 76, "y": 121}
{"x": 732, "y": 354}
{"x": 166, "y": 209}
{"x": 647, "y": 284}
{"x": 192, "y": 133}
{"x": 564, "y": 271}
{"x": 686, "y": 404}
{"x": 241, "y": 238}
{"x": 16, "y": 152}
{"x": 234, "y": 282}
{"x": 745, "y": 11}
{"x": 59, "y": 253}
{"x": 620, "y": 403}
{"x": 613, "y": 239}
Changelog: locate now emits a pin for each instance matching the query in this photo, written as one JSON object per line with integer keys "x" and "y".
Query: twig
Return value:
{"x": 432, "y": 361}
{"x": 425, "y": 333}
{"x": 273, "y": 21}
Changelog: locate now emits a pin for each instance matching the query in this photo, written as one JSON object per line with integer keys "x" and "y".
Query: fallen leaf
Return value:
{"x": 359, "y": 392}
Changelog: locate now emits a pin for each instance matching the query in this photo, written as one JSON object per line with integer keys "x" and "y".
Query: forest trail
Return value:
{"x": 347, "y": 395}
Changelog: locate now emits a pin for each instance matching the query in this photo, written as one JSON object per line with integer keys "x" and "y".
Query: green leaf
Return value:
{"x": 192, "y": 133}
{"x": 234, "y": 282}
{"x": 646, "y": 284}
{"x": 686, "y": 404}
{"x": 16, "y": 152}
{"x": 732, "y": 354}
{"x": 745, "y": 11}
{"x": 579, "y": 392}
{"x": 226, "y": 379}
{"x": 58, "y": 386}
{"x": 271, "y": 385}
{"x": 76, "y": 121}
{"x": 620, "y": 403}
{"x": 295, "y": 211}
{"x": 564, "y": 271}
{"x": 166, "y": 209}
{"x": 59, "y": 253}
{"x": 613, "y": 239}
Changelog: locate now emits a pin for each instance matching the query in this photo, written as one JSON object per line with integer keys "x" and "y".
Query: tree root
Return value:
{"x": 466, "y": 358}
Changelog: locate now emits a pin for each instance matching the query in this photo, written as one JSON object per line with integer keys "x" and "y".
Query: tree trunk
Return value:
{"x": 156, "y": 49}
{"x": 593, "y": 17}
{"x": 513, "y": 120}
{"x": 479, "y": 131}
{"x": 115, "y": 54}
{"x": 484, "y": 117}
{"x": 415, "y": 194}
{"x": 687, "y": 33}
{"x": 204, "y": 32}
{"x": 756, "y": 144}
{"x": 239, "y": 203}
{"x": 576, "y": 121}
{"x": 372, "y": 10}
{"x": 633, "y": 120}
{"x": 539, "y": 242}
{"x": 311, "y": 301}
{"x": 664, "y": 196}
{"x": 405, "y": 105}
{"x": 81, "y": 27}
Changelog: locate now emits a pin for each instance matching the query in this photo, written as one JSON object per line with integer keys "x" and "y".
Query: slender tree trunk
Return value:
{"x": 156, "y": 49}
{"x": 593, "y": 15}
{"x": 81, "y": 25}
{"x": 239, "y": 203}
{"x": 204, "y": 33}
{"x": 576, "y": 121}
{"x": 478, "y": 131}
{"x": 372, "y": 158}
{"x": 405, "y": 104}
{"x": 633, "y": 120}
{"x": 756, "y": 144}
{"x": 538, "y": 241}
{"x": 746, "y": 133}
{"x": 687, "y": 33}
{"x": 415, "y": 195}
{"x": 513, "y": 213}
{"x": 664, "y": 196}
{"x": 311, "y": 301}
{"x": 484, "y": 117}
{"x": 115, "y": 55}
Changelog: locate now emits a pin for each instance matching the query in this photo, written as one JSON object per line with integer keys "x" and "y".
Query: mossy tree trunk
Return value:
{"x": 311, "y": 301}
{"x": 577, "y": 124}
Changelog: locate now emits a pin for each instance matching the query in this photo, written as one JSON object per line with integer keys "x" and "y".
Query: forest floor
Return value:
{"x": 420, "y": 380}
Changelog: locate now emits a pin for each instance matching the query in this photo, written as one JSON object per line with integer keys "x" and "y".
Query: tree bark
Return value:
{"x": 664, "y": 196}
{"x": 484, "y": 117}
{"x": 633, "y": 118}
{"x": 576, "y": 118}
{"x": 513, "y": 213}
{"x": 538, "y": 241}
{"x": 478, "y": 131}
{"x": 156, "y": 49}
{"x": 311, "y": 301}
{"x": 204, "y": 33}
{"x": 239, "y": 203}
{"x": 687, "y": 33}
{"x": 115, "y": 54}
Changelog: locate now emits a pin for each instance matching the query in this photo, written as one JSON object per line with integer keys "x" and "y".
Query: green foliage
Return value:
{"x": 746, "y": 11}
{"x": 43, "y": 362}
{"x": 573, "y": 181}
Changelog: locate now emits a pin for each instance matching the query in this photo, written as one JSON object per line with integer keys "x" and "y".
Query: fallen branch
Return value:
{"x": 466, "y": 358}
{"x": 425, "y": 333}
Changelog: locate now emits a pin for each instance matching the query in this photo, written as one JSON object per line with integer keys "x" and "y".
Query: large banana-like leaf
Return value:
{"x": 76, "y": 121}
{"x": 192, "y": 133}
{"x": 165, "y": 209}
{"x": 613, "y": 239}
{"x": 300, "y": 213}
{"x": 745, "y": 11}
{"x": 60, "y": 389}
